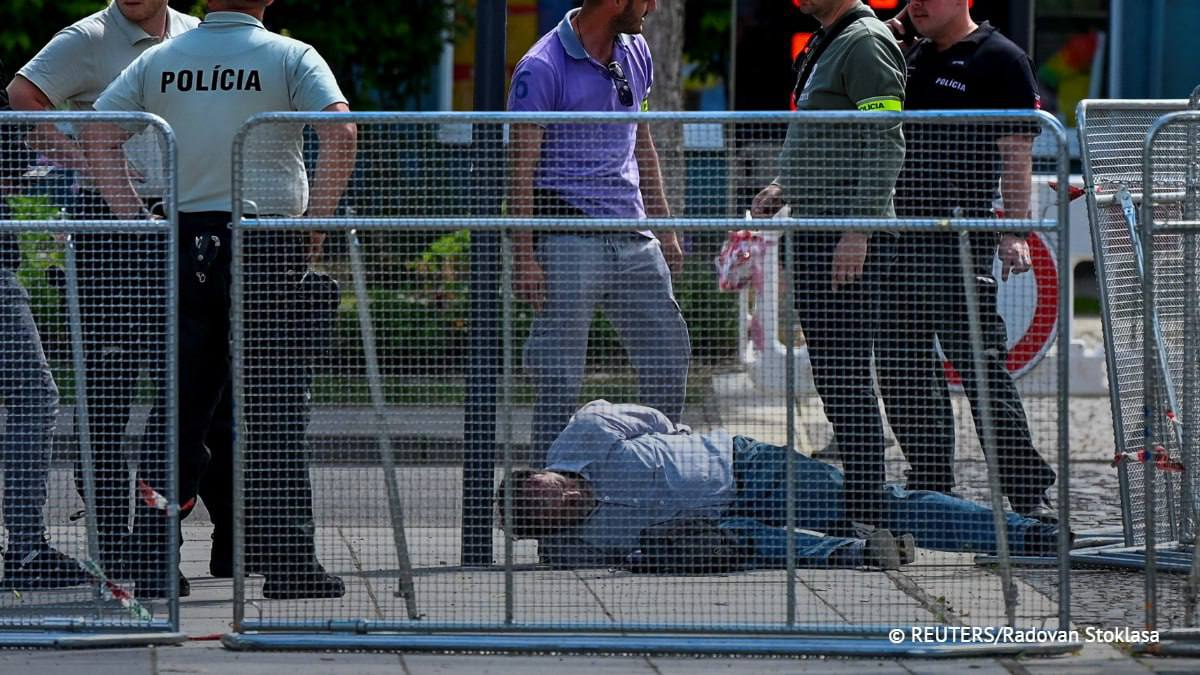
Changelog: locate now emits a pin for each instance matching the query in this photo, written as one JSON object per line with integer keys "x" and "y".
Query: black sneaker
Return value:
{"x": 41, "y": 567}
{"x": 1038, "y": 508}
{"x": 310, "y": 584}
{"x": 1042, "y": 541}
{"x": 222, "y": 568}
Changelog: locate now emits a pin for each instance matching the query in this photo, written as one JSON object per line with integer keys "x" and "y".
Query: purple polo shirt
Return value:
{"x": 591, "y": 166}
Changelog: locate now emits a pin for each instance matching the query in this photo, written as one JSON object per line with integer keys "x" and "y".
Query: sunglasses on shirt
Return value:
{"x": 624, "y": 93}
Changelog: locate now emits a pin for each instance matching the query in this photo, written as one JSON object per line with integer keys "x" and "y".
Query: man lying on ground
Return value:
{"x": 620, "y": 468}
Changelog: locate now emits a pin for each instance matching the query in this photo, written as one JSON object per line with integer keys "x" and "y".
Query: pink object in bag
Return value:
{"x": 738, "y": 263}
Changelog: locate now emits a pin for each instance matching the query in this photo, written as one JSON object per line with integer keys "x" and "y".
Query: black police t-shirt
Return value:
{"x": 951, "y": 167}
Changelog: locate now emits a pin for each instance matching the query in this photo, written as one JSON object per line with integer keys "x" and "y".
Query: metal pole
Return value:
{"x": 506, "y": 416}
{"x": 375, "y": 384}
{"x": 989, "y": 429}
{"x": 1158, "y": 19}
{"x": 1116, "y": 45}
{"x": 1064, "y": 379}
{"x": 1190, "y": 450}
{"x": 731, "y": 76}
{"x": 479, "y": 432}
{"x": 1020, "y": 19}
{"x": 170, "y": 395}
{"x": 83, "y": 426}
{"x": 789, "y": 266}
{"x": 1151, "y": 399}
{"x": 238, "y": 348}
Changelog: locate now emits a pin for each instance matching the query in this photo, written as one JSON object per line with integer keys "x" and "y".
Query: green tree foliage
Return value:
{"x": 706, "y": 38}
{"x": 383, "y": 53}
{"x": 26, "y": 25}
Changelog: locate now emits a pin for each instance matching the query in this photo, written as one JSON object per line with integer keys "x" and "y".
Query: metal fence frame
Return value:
{"x": 1119, "y": 389}
{"x": 1166, "y": 395}
{"x": 787, "y": 637}
{"x": 80, "y": 631}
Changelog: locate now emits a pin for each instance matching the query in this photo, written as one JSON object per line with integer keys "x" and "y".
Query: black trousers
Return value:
{"x": 279, "y": 523}
{"x": 278, "y": 376}
{"x": 841, "y": 328}
{"x": 926, "y": 288}
{"x": 205, "y": 424}
{"x": 123, "y": 330}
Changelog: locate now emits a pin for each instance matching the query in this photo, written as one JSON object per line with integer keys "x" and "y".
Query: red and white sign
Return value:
{"x": 1029, "y": 304}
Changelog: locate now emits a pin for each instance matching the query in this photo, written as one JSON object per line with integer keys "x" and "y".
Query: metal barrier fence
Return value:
{"x": 1169, "y": 212}
{"x": 1113, "y": 134}
{"x": 352, "y": 378}
{"x": 87, "y": 363}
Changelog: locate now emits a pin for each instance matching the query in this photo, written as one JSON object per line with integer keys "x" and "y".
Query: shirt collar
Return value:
{"x": 968, "y": 44}
{"x": 570, "y": 39}
{"x": 983, "y": 32}
{"x": 129, "y": 29}
{"x": 231, "y": 17}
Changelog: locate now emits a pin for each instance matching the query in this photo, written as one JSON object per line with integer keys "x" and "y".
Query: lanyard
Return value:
{"x": 807, "y": 59}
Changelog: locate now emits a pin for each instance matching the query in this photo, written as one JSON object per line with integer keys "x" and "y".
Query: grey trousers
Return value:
{"x": 626, "y": 277}
{"x": 31, "y": 399}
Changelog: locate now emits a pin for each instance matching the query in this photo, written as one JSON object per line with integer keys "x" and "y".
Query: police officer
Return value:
{"x": 844, "y": 171}
{"x": 118, "y": 328}
{"x": 594, "y": 60}
{"x": 206, "y": 84}
{"x": 954, "y": 171}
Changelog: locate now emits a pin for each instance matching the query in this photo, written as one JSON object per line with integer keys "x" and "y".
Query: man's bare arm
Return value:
{"x": 338, "y": 146}
{"x": 654, "y": 195}
{"x": 44, "y": 139}
{"x": 105, "y": 162}
{"x": 1016, "y": 182}
{"x": 651, "y": 182}
{"x": 525, "y": 150}
{"x": 335, "y": 163}
{"x": 1016, "y": 178}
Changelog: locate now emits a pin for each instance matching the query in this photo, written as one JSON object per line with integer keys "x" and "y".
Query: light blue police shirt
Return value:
{"x": 206, "y": 84}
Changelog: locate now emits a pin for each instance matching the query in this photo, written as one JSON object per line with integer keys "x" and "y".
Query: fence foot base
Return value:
{"x": 1174, "y": 642}
{"x": 639, "y": 644}
{"x": 1169, "y": 558}
{"x": 51, "y": 640}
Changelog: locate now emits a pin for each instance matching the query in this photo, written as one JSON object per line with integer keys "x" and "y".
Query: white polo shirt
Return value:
{"x": 206, "y": 84}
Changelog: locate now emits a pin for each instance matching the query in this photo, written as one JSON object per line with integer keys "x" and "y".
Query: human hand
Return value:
{"x": 673, "y": 253}
{"x": 767, "y": 202}
{"x": 900, "y": 29}
{"x": 529, "y": 283}
{"x": 849, "y": 258}
{"x": 1013, "y": 252}
{"x": 315, "y": 242}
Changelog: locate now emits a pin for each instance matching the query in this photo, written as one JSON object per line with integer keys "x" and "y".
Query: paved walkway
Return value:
{"x": 354, "y": 540}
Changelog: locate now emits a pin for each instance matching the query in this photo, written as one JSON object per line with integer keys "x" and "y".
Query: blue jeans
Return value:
{"x": 624, "y": 275}
{"x": 935, "y": 520}
{"x": 31, "y": 399}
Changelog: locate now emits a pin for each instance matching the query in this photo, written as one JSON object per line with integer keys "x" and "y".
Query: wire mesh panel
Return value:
{"x": 1112, "y": 134}
{"x": 87, "y": 358}
{"x": 1170, "y": 207}
{"x": 651, "y": 468}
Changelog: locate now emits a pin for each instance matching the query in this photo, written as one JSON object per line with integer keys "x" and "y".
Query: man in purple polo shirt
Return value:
{"x": 595, "y": 60}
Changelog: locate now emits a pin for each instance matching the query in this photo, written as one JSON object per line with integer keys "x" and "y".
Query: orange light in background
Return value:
{"x": 884, "y": 4}
{"x": 799, "y": 42}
